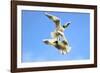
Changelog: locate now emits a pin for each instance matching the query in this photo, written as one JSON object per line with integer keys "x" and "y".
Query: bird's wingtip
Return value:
{"x": 45, "y": 41}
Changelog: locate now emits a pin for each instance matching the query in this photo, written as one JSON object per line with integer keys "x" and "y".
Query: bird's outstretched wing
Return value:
{"x": 55, "y": 19}
{"x": 66, "y": 25}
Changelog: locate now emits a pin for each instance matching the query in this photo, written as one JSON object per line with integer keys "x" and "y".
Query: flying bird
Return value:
{"x": 58, "y": 38}
{"x": 59, "y": 30}
{"x": 62, "y": 46}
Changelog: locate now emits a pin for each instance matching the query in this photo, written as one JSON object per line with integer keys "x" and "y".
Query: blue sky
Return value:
{"x": 36, "y": 27}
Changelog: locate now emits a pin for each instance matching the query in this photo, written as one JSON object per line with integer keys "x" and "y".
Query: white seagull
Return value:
{"x": 58, "y": 38}
{"x": 59, "y": 30}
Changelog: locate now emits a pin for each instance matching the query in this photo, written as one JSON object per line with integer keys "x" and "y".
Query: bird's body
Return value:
{"x": 59, "y": 30}
{"x": 58, "y": 38}
{"x": 62, "y": 46}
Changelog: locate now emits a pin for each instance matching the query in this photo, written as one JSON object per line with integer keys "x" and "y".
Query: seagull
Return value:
{"x": 58, "y": 38}
{"x": 59, "y": 30}
{"x": 62, "y": 46}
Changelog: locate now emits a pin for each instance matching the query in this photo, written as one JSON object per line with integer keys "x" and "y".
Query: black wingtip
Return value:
{"x": 66, "y": 25}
